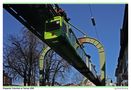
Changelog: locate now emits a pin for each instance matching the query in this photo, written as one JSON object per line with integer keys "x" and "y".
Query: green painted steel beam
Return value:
{"x": 101, "y": 51}
{"x": 45, "y": 50}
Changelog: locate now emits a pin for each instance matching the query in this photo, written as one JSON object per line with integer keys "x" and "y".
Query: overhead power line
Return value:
{"x": 78, "y": 29}
{"x": 93, "y": 21}
{"x": 90, "y": 10}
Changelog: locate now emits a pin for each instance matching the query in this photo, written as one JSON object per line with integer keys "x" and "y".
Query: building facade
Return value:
{"x": 122, "y": 66}
{"x": 7, "y": 81}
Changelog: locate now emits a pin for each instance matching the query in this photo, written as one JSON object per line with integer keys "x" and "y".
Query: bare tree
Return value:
{"x": 21, "y": 57}
{"x": 55, "y": 68}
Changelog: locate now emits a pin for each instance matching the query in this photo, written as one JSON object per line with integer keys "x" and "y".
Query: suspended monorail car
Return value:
{"x": 61, "y": 39}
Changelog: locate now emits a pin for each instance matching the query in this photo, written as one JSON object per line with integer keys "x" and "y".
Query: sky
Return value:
{"x": 109, "y": 20}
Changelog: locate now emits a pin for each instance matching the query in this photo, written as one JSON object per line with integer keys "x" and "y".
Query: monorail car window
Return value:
{"x": 80, "y": 52}
{"x": 64, "y": 27}
{"x": 71, "y": 36}
{"x": 53, "y": 25}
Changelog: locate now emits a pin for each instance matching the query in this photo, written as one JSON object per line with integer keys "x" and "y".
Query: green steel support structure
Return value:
{"x": 82, "y": 40}
{"x": 45, "y": 50}
{"x": 101, "y": 52}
